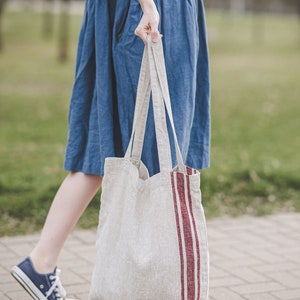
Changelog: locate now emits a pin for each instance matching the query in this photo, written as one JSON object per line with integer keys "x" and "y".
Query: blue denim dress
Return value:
{"x": 107, "y": 70}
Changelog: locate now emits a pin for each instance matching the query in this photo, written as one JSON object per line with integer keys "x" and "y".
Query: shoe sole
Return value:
{"x": 27, "y": 284}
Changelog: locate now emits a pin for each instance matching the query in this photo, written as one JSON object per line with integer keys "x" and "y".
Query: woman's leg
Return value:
{"x": 71, "y": 199}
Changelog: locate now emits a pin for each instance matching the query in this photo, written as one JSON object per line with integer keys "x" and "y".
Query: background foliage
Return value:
{"x": 255, "y": 70}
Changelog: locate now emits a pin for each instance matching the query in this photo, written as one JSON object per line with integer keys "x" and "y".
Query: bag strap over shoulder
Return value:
{"x": 153, "y": 77}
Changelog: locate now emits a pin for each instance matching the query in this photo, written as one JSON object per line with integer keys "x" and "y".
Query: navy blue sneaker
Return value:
{"x": 39, "y": 286}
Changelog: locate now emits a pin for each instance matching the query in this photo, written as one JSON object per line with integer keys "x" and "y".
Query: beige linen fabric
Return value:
{"x": 151, "y": 239}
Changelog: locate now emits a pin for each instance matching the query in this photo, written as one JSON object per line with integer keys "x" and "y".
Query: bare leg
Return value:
{"x": 71, "y": 199}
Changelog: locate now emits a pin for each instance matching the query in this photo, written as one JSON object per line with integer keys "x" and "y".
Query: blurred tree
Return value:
{"x": 48, "y": 19}
{"x": 64, "y": 30}
{"x": 2, "y": 2}
{"x": 298, "y": 10}
{"x": 258, "y": 8}
{"x": 237, "y": 5}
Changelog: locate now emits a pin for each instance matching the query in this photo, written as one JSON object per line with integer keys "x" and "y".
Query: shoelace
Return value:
{"x": 57, "y": 287}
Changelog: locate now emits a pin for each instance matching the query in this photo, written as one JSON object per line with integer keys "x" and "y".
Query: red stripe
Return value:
{"x": 179, "y": 236}
{"x": 196, "y": 237}
{"x": 188, "y": 239}
{"x": 189, "y": 171}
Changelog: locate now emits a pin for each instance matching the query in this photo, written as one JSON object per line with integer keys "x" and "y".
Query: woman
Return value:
{"x": 102, "y": 107}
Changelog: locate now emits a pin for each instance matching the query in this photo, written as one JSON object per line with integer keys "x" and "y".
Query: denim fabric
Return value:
{"x": 107, "y": 70}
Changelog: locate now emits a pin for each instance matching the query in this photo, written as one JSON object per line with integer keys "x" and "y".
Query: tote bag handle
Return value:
{"x": 159, "y": 63}
{"x": 153, "y": 77}
{"x": 135, "y": 147}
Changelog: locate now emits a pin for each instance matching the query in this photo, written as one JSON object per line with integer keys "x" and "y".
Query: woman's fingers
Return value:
{"x": 155, "y": 35}
{"x": 142, "y": 33}
{"x": 149, "y": 25}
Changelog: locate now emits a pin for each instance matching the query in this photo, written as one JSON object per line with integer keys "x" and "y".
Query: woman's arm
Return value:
{"x": 149, "y": 22}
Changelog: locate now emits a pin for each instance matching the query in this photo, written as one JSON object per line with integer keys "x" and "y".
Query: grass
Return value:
{"x": 255, "y": 119}
{"x": 255, "y": 108}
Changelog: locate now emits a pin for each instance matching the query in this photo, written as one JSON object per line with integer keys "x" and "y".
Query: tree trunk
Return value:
{"x": 2, "y": 2}
{"x": 258, "y": 21}
{"x": 298, "y": 10}
{"x": 64, "y": 31}
{"x": 48, "y": 19}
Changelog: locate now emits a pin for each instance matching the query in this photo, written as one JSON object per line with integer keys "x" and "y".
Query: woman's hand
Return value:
{"x": 149, "y": 22}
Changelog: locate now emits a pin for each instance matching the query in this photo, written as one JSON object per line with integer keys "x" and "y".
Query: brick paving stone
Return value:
{"x": 289, "y": 219}
{"x": 250, "y": 238}
{"x": 72, "y": 242}
{"x": 295, "y": 235}
{"x": 85, "y": 270}
{"x": 255, "y": 288}
{"x": 248, "y": 275}
{"x": 21, "y": 249}
{"x": 83, "y": 249}
{"x": 216, "y": 234}
{"x": 66, "y": 254}
{"x": 229, "y": 252}
{"x": 226, "y": 281}
{"x": 216, "y": 272}
{"x": 231, "y": 224}
{"x": 282, "y": 266}
{"x": 293, "y": 256}
{"x": 283, "y": 240}
{"x": 17, "y": 295}
{"x": 9, "y": 286}
{"x": 70, "y": 278}
{"x": 77, "y": 288}
{"x": 265, "y": 225}
{"x": 296, "y": 273}
{"x": 286, "y": 279}
{"x": 7, "y": 255}
{"x": 265, "y": 255}
{"x": 86, "y": 236}
{"x": 225, "y": 294}
{"x": 291, "y": 294}
{"x": 5, "y": 279}
{"x": 8, "y": 263}
{"x": 286, "y": 250}
{"x": 215, "y": 256}
{"x": 3, "y": 269}
{"x": 260, "y": 297}
{"x": 251, "y": 259}
{"x": 3, "y": 247}
{"x": 8, "y": 241}
{"x": 87, "y": 277}
{"x": 76, "y": 264}
{"x": 243, "y": 246}
{"x": 82, "y": 296}
{"x": 89, "y": 255}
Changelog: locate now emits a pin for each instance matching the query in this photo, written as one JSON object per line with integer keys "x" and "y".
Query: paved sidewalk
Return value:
{"x": 251, "y": 258}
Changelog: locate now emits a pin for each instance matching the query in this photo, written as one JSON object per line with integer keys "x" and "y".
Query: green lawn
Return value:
{"x": 255, "y": 112}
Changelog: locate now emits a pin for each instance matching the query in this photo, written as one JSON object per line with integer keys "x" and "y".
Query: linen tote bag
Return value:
{"x": 151, "y": 239}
